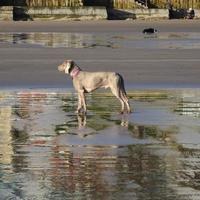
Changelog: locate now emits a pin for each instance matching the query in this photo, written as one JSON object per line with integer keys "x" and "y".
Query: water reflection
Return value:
{"x": 69, "y": 40}
{"x": 6, "y": 148}
{"x": 189, "y": 104}
{"x": 165, "y": 40}
{"x": 48, "y": 152}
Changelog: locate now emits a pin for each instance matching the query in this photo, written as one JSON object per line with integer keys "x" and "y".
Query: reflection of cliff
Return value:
{"x": 69, "y": 40}
{"x": 6, "y": 148}
{"x": 116, "y": 158}
{"x": 189, "y": 173}
{"x": 106, "y": 172}
{"x": 80, "y": 172}
{"x": 189, "y": 103}
{"x": 37, "y": 115}
{"x": 124, "y": 170}
{"x": 188, "y": 108}
{"x": 26, "y": 108}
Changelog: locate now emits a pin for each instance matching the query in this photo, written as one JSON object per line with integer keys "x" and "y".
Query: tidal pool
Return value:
{"x": 48, "y": 152}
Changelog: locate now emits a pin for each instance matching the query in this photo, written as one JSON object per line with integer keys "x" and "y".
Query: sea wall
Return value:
{"x": 6, "y": 13}
{"x": 68, "y": 13}
{"x": 149, "y": 13}
{"x": 82, "y": 13}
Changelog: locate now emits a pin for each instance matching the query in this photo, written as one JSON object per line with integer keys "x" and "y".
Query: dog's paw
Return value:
{"x": 121, "y": 112}
{"x": 80, "y": 112}
{"x": 125, "y": 112}
{"x": 129, "y": 111}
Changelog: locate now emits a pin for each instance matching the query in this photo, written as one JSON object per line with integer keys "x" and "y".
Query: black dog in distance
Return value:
{"x": 149, "y": 31}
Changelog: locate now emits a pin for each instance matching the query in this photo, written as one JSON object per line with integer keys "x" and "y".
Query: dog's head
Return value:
{"x": 66, "y": 66}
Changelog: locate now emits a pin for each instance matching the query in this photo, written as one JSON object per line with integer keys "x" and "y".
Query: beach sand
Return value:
{"x": 170, "y": 60}
{"x": 47, "y": 151}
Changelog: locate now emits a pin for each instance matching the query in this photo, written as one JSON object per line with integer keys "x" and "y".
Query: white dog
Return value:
{"x": 85, "y": 82}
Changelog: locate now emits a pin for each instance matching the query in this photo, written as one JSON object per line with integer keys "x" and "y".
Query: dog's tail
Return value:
{"x": 122, "y": 92}
{"x": 121, "y": 84}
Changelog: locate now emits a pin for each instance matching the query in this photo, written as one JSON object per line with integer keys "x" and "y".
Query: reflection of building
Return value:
{"x": 69, "y": 40}
{"x": 6, "y": 148}
{"x": 189, "y": 103}
{"x": 188, "y": 108}
{"x": 189, "y": 172}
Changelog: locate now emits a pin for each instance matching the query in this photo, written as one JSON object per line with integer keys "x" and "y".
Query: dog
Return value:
{"x": 85, "y": 82}
{"x": 149, "y": 31}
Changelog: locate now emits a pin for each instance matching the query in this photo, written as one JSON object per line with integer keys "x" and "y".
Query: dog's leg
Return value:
{"x": 128, "y": 106}
{"x": 83, "y": 102}
{"x": 79, "y": 103}
{"x": 81, "y": 121}
{"x": 125, "y": 99}
{"x": 116, "y": 92}
{"x": 122, "y": 105}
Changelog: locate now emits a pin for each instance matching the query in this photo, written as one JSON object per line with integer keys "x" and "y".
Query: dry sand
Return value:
{"x": 35, "y": 66}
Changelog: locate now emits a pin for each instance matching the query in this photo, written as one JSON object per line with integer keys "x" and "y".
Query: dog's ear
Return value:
{"x": 72, "y": 64}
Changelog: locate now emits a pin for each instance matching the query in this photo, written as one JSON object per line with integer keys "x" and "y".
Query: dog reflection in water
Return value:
{"x": 82, "y": 121}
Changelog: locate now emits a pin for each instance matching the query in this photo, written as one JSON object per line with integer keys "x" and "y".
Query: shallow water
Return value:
{"x": 48, "y": 152}
{"x": 166, "y": 40}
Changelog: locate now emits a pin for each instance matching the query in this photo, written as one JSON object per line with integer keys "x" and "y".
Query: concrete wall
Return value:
{"x": 149, "y": 13}
{"x": 82, "y": 12}
{"x": 6, "y": 13}
{"x": 197, "y": 13}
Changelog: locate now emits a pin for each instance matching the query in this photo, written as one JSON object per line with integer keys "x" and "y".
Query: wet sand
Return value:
{"x": 48, "y": 152}
{"x": 144, "y": 62}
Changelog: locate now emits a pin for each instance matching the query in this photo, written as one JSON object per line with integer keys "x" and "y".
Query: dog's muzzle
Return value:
{"x": 61, "y": 68}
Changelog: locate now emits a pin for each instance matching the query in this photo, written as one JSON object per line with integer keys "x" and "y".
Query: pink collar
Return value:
{"x": 75, "y": 72}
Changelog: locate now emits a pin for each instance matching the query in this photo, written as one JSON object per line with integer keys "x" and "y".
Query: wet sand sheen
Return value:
{"x": 48, "y": 152}
{"x": 145, "y": 61}
{"x": 116, "y": 40}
